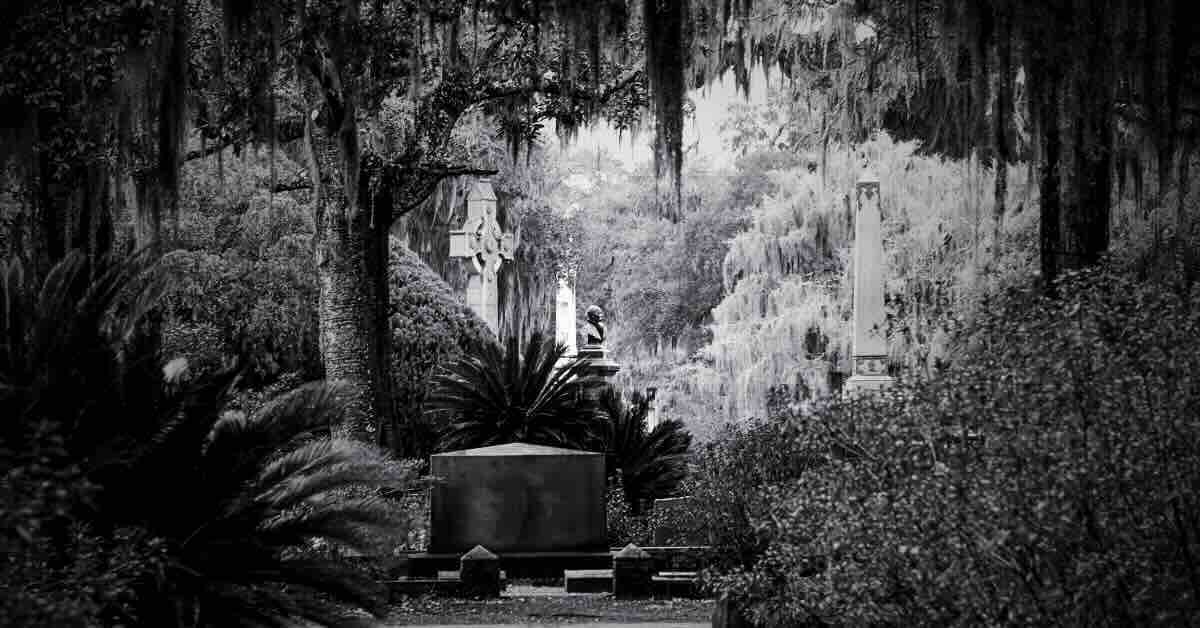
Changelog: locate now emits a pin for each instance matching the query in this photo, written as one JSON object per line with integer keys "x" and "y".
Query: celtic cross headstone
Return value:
{"x": 485, "y": 246}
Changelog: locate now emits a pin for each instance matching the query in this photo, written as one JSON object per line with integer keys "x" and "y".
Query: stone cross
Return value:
{"x": 486, "y": 246}
{"x": 564, "y": 313}
{"x": 870, "y": 340}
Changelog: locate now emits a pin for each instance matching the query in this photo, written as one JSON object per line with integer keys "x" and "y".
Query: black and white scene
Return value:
{"x": 607, "y": 313}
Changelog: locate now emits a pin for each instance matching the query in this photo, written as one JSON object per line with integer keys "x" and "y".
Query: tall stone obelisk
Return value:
{"x": 869, "y": 361}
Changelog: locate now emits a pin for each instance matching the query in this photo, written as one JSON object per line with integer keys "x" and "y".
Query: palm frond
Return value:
{"x": 515, "y": 393}
{"x": 650, "y": 463}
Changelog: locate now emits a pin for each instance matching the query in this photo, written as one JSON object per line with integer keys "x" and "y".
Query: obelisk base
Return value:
{"x": 870, "y": 375}
{"x": 859, "y": 384}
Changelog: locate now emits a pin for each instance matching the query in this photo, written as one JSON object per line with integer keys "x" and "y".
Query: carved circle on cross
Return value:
{"x": 488, "y": 243}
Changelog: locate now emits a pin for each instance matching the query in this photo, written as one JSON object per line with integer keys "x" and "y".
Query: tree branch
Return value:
{"x": 558, "y": 89}
{"x": 286, "y": 130}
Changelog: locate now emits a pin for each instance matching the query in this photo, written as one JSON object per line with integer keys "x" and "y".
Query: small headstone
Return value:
{"x": 633, "y": 573}
{"x": 479, "y": 573}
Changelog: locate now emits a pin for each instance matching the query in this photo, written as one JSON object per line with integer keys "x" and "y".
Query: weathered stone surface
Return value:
{"x": 869, "y": 361}
{"x": 482, "y": 242}
{"x": 633, "y": 572}
{"x": 565, "y": 331}
{"x": 588, "y": 580}
{"x": 518, "y": 498}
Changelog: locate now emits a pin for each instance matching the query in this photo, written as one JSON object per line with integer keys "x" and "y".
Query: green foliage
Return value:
{"x": 656, "y": 279}
{"x": 492, "y": 396}
{"x": 783, "y": 318}
{"x": 1048, "y": 479}
{"x": 244, "y": 285}
{"x": 430, "y": 327}
{"x": 730, "y": 479}
{"x": 649, "y": 463}
{"x": 95, "y": 538}
{"x": 622, "y": 525}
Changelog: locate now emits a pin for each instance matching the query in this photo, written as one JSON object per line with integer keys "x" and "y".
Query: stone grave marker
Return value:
{"x": 564, "y": 315}
{"x": 483, "y": 243}
{"x": 869, "y": 361}
{"x": 517, "y": 498}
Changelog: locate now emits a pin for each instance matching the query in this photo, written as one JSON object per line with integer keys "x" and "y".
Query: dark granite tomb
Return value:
{"x": 517, "y": 498}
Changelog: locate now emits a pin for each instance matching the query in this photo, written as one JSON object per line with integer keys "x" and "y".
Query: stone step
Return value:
{"x": 670, "y": 584}
{"x": 588, "y": 580}
{"x": 454, "y": 575}
{"x": 679, "y": 575}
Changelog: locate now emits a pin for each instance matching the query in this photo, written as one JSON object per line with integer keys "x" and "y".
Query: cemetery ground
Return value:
{"x": 522, "y": 604}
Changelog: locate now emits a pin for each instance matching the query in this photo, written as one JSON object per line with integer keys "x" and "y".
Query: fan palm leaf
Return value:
{"x": 515, "y": 394}
{"x": 650, "y": 463}
{"x": 240, "y": 504}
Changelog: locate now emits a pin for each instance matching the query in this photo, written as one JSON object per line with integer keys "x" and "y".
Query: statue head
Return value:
{"x": 596, "y": 331}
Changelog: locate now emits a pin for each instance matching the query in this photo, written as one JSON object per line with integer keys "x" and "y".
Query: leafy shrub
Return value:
{"x": 179, "y": 513}
{"x": 430, "y": 327}
{"x": 625, "y": 527}
{"x": 259, "y": 308}
{"x": 1050, "y": 478}
{"x": 728, "y": 479}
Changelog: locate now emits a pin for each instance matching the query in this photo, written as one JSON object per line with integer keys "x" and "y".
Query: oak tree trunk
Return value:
{"x": 350, "y": 275}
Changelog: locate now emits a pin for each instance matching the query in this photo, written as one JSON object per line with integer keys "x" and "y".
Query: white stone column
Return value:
{"x": 565, "y": 330}
{"x": 869, "y": 361}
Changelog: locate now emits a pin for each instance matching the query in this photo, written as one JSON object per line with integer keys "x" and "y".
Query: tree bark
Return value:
{"x": 1047, "y": 90}
{"x": 348, "y": 278}
{"x": 1003, "y": 110}
{"x": 350, "y": 269}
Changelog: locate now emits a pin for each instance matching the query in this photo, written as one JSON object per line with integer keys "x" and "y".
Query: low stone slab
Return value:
{"x": 588, "y": 580}
{"x": 516, "y": 564}
{"x": 670, "y": 584}
{"x": 677, "y": 557}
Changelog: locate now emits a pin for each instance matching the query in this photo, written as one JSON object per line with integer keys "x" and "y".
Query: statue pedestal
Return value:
{"x": 597, "y": 371}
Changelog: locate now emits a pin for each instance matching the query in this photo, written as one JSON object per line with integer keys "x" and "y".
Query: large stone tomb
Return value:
{"x": 517, "y": 498}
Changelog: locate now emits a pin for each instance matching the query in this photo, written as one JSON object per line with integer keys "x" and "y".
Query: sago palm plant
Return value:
{"x": 500, "y": 395}
{"x": 248, "y": 512}
{"x": 650, "y": 463}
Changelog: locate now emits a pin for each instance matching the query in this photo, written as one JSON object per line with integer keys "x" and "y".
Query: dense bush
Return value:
{"x": 178, "y": 513}
{"x": 1051, "y": 477}
{"x": 624, "y": 526}
{"x": 244, "y": 286}
{"x": 430, "y": 327}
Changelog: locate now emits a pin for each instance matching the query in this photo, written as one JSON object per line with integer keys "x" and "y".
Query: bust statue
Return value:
{"x": 595, "y": 325}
